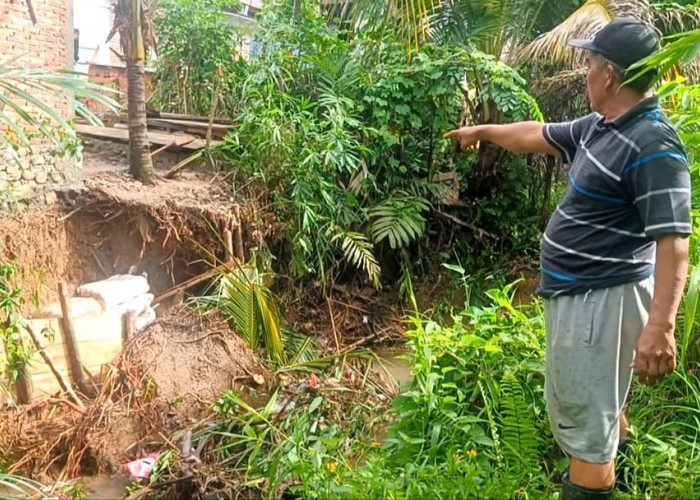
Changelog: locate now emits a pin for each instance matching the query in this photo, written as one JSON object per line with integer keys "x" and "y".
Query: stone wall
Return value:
{"x": 36, "y": 170}
{"x": 48, "y": 44}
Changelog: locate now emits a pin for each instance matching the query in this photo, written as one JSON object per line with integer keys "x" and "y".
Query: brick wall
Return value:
{"x": 114, "y": 77}
{"x": 49, "y": 45}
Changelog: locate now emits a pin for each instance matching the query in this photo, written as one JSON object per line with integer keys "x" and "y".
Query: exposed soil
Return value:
{"x": 169, "y": 374}
{"x": 167, "y": 377}
{"x": 193, "y": 358}
{"x": 112, "y": 224}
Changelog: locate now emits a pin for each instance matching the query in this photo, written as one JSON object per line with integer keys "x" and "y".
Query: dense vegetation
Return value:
{"x": 339, "y": 130}
{"x": 342, "y": 127}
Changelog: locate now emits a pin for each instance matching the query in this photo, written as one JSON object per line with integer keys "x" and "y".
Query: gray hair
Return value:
{"x": 640, "y": 84}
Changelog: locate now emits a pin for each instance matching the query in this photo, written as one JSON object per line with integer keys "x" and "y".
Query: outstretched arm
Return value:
{"x": 521, "y": 137}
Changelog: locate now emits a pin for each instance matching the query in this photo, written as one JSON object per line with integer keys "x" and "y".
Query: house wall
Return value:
{"x": 48, "y": 44}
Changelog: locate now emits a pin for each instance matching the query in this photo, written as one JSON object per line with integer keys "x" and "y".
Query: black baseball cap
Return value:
{"x": 623, "y": 41}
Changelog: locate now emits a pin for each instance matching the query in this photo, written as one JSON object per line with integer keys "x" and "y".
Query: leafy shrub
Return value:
{"x": 198, "y": 56}
{"x": 345, "y": 132}
{"x": 471, "y": 423}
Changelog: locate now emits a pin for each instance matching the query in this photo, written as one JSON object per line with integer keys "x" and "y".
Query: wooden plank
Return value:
{"x": 188, "y": 125}
{"x": 195, "y": 118}
{"x": 155, "y": 138}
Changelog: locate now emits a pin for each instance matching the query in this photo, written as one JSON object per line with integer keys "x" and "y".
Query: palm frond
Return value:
{"x": 24, "y": 111}
{"x": 358, "y": 251}
{"x": 317, "y": 365}
{"x": 673, "y": 18}
{"x": 407, "y": 19}
{"x": 21, "y": 487}
{"x": 583, "y": 23}
{"x": 251, "y": 308}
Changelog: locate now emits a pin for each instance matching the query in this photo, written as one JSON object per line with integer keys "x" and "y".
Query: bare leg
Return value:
{"x": 592, "y": 476}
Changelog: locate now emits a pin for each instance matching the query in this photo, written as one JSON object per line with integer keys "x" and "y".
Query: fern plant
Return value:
{"x": 399, "y": 220}
{"x": 518, "y": 430}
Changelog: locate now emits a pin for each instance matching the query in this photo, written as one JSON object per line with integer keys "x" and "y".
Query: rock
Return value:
{"x": 51, "y": 198}
{"x": 27, "y": 175}
{"x": 41, "y": 178}
{"x": 13, "y": 173}
{"x": 39, "y": 160}
{"x": 56, "y": 177}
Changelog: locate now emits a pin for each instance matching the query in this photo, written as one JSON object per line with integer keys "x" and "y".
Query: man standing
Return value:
{"x": 614, "y": 254}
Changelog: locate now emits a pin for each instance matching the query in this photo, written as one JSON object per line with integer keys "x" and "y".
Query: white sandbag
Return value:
{"x": 145, "y": 319}
{"x": 137, "y": 305}
{"x": 115, "y": 290}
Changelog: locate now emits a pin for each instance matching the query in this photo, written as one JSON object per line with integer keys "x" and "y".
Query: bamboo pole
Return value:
{"x": 76, "y": 366}
{"x": 194, "y": 281}
{"x": 228, "y": 238}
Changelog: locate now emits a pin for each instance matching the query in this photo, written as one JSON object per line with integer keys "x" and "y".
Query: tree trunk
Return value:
{"x": 140, "y": 163}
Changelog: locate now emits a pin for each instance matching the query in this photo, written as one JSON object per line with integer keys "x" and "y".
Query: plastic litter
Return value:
{"x": 143, "y": 467}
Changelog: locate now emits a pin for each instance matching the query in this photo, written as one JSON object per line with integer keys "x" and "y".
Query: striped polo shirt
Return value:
{"x": 629, "y": 183}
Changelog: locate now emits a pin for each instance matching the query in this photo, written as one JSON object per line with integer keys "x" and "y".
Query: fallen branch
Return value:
{"x": 49, "y": 361}
{"x": 185, "y": 285}
{"x": 466, "y": 224}
{"x": 379, "y": 336}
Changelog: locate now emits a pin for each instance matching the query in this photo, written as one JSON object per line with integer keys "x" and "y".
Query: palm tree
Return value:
{"x": 132, "y": 21}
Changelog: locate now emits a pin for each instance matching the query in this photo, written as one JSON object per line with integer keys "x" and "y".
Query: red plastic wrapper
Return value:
{"x": 142, "y": 468}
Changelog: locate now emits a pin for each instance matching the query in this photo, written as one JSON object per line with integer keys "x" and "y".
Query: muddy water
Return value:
{"x": 104, "y": 487}
{"x": 390, "y": 362}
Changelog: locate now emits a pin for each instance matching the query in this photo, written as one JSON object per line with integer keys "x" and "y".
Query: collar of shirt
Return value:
{"x": 650, "y": 105}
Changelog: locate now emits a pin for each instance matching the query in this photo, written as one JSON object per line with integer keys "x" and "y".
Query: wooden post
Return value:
{"x": 76, "y": 366}
{"x": 49, "y": 361}
{"x": 238, "y": 236}
{"x": 127, "y": 327}
{"x": 23, "y": 386}
{"x": 228, "y": 240}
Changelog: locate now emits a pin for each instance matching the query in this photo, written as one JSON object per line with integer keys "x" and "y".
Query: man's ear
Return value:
{"x": 611, "y": 78}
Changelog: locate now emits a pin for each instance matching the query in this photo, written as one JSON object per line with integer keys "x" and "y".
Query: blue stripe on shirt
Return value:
{"x": 646, "y": 159}
{"x": 559, "y": 276}
{"x": 591, "y": 194}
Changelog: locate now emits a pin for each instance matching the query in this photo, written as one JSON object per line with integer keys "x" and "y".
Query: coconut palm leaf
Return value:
{"x": 250, "y": 307}
{"x": 583, "y": 23}
{"x": 21, "y": 487}
{"x": 24, "y": 113}
{"x": 492, "y": 26}
{"x": 407, "y": 19}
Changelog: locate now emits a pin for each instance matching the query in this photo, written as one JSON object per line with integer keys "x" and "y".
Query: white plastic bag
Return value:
{"x": 115, "y": 290}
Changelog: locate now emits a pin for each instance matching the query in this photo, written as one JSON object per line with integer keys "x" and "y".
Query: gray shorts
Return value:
{"x": 591, "y": 340}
